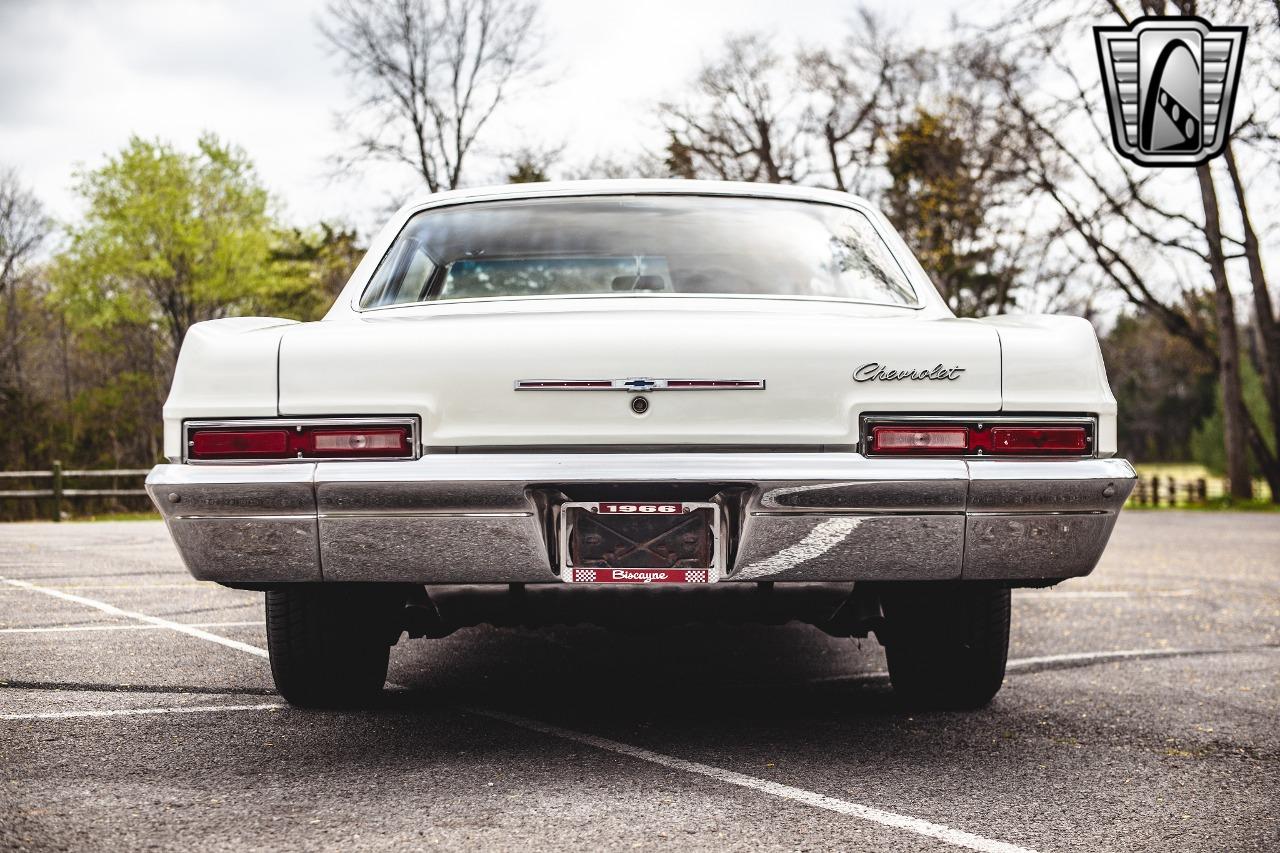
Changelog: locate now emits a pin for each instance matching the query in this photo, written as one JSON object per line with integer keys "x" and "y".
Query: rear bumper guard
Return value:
{"x": 492, "y": 518}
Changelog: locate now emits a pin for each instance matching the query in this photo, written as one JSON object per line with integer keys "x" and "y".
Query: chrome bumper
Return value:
{"x": 486, "y": 518}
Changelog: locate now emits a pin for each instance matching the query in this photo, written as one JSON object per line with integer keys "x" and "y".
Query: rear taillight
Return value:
{"x": 299, "y": 441}
{"x": 355, "y": 441}
{"x": 893, "y": 439}
{"x": 979, "y": 440}
{"x": 1034, "y": 440}
{"x": 239, "y": 444}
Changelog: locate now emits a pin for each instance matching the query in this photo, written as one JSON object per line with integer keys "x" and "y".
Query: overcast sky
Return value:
{"x": 78, "y": 77}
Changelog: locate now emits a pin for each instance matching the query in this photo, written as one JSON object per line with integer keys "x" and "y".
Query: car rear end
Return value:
{"x": 438, "y": 462}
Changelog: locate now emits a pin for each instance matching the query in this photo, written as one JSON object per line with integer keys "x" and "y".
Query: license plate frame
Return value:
{"x": 700, "y": 574}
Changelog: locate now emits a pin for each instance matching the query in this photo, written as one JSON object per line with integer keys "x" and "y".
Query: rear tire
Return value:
{"x": 330, "y": 643}
{"x": 947, "y": 643}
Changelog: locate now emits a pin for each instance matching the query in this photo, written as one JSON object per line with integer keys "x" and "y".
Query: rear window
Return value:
{"x": 638, "y": 246}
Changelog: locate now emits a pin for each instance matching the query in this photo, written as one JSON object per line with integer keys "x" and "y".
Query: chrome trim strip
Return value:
{"x": 411, "y": 422}
{"x": 391, "y": 513}
{"x": 777, "y": 297}
{"x": 1037, "y": 513}
{"x": 306, "y": 516}
{"x": 851, "y": 511}
{"x": 639, "y": 384}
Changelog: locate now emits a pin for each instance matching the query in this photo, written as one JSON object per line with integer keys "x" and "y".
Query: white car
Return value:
{"x": 638, "y": 403}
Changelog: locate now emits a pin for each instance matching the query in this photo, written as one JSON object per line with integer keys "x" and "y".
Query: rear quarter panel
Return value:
{"x": 1054, "y": 364}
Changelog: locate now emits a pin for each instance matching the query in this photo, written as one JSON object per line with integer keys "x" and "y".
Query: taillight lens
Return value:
{"x": 892, "y": 439}
{"x": 305, "y": 442}
{"x": 1036, "y": 440}
{"x": 978, "y": 440}
{"x": 383, "y": 441}
{"x": 239, "y": 444}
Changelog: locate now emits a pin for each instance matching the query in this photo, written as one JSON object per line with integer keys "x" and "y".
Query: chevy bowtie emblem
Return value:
{"x": 1170, "y": 85}
{"x": 639, "y": 384}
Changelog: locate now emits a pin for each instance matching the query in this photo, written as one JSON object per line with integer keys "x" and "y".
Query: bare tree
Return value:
{"x": 430, "y": 74}
{"x": 1265, "y": 318}
{"x": 743, "y": 121}
{"x": 23, "y": 226}
{"x": 858, "y": 95}
{"x": 641, "y": 165}
{"x": 1149, "y": 234}
{"x": 879, "y": 117}
{"x": 1234, "y": 412}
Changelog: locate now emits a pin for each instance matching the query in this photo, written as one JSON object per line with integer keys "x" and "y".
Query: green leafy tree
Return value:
{"x": 526, "y": 172}
{"x": 1207, "y": 444}
{"x": 311, "y": 266}
{"x": 1163, "y": 386}
{"x": 168, "y": 239}
{"x": 939, "y": 199}
{"x": 678, "y": 160}
{"x": 530, "y": 164}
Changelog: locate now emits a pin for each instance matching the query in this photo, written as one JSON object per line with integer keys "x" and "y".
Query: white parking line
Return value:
{"x": 141, "y": 617}
{"x": 1100, "y": 657}
{"x": 60, "y": 628}
{"x": 187, "y": 585}
{"x": 134, "y": 712}
{"x": 956, "y": 837}
{"x": 1051, "y": 594}
{"x": 1016, "y": 664}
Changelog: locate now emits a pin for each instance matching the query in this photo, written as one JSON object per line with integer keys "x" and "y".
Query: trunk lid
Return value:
{"x": 455, "y": 366}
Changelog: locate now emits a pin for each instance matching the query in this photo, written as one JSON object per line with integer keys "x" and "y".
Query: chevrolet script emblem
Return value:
{"x": 1170, "y": 85}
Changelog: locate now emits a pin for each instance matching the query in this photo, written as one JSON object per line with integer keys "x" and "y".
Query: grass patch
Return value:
{"x": 1212, "y": 505}
{"x": 118, "y": 516}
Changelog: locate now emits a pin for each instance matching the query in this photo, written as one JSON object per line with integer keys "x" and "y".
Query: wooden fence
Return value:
{"x": 1170, "y": 491}
{"x": 58, "y": 493}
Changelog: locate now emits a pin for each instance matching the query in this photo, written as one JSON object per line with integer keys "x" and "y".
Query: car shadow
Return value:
{"x": 786, "y": 703}
{"x": 669, "y": 676}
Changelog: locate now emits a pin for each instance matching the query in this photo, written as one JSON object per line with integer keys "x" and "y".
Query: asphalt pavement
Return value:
{"x": 1141, "y": 712}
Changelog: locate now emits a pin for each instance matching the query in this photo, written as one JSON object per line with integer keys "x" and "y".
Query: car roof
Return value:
{"x": 636, "y": 186}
